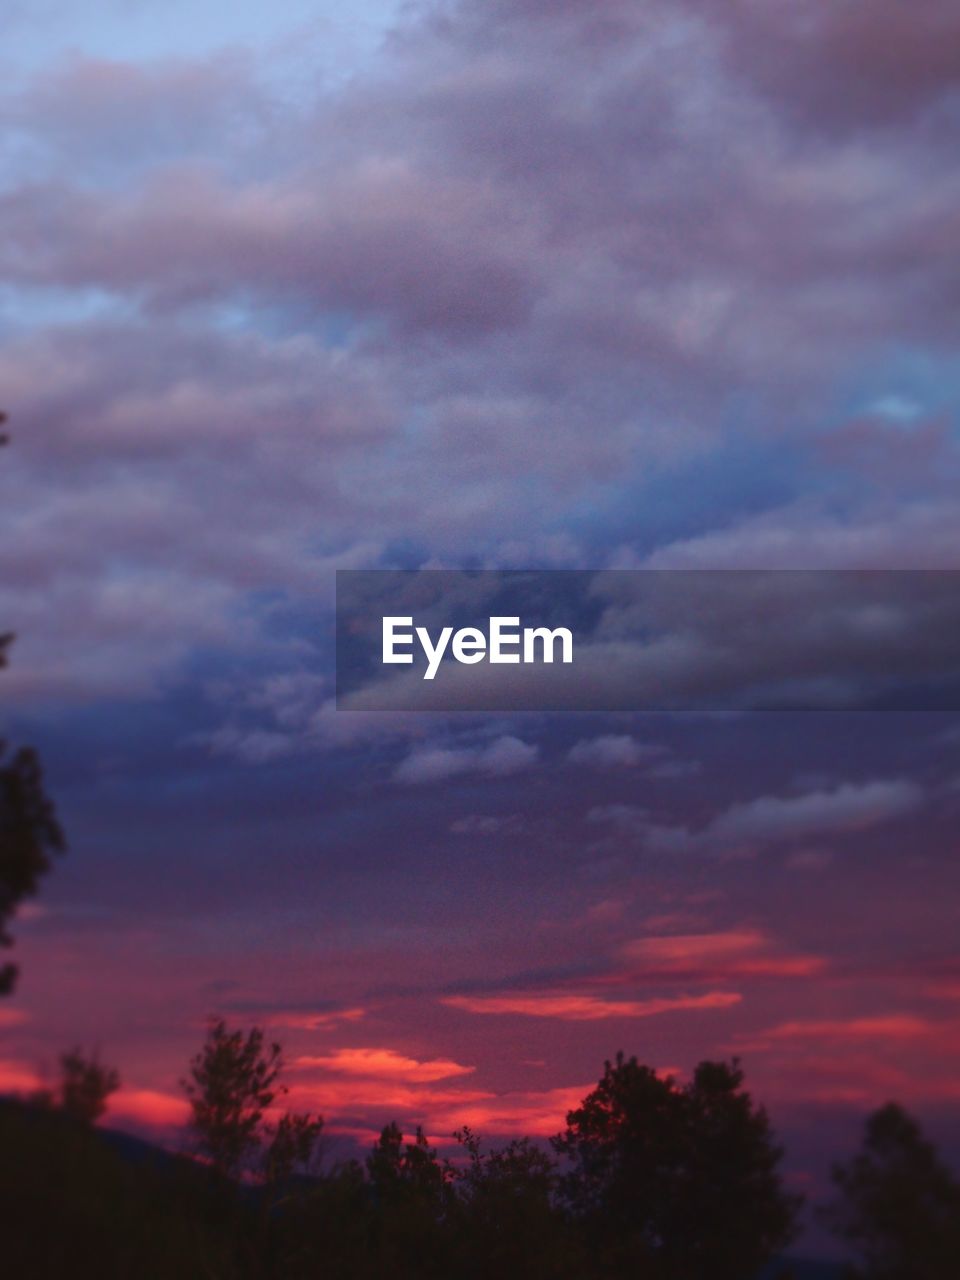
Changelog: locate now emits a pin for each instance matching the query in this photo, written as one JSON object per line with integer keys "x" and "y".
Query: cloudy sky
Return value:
{"x": 526, "y": 284}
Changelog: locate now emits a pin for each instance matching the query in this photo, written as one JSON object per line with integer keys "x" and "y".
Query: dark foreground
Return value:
{"x": 76, "y": 1201}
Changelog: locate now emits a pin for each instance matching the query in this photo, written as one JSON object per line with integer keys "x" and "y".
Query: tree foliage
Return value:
{"x": 29, "y": 835}
{"x": 293, "y": 1146}
{"x": 29, "y": 831}
{"x": 675, "y": 1181}
{"x": 232, "y": 1084}
{"x": 650, "y": 1180}
{"x": 85, "y": 1086}
{"x": 897, "y": 1205}
{"x": 508, "y": 1221}
{"x": 407, "y": 1169}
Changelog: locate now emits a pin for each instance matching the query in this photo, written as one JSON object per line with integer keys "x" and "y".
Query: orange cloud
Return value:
{"x": 537, "y": 1114}
{"x": 886, "y": 1029}
{"x": 856, "y": 1071}
{"x": 297, "y": 1020}
{"x": 889, "y": 1026}
{"x": 379, "y": 1097}
{"x": 380, "y": 1064}
{"x": 747, "y": 952}
{"x": 588, "y": 1008}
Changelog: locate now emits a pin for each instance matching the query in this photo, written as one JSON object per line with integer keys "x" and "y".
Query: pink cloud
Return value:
{"x": 733, "y": 952}
{"x": 892, "y": 1026}
{"x": 384, "y": 1064}
{"x": 537, "y": 1114}
{"x": 149, "y": 1107}
{"x": 297, "y": 1020}
{"x": 574, "y": 1007}
{"x": 18, "y": 1077}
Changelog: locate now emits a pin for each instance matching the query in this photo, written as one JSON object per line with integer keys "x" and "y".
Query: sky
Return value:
{"x": 528, "y": 284}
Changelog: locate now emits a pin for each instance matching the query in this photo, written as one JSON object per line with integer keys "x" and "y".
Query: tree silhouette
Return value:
{"x": 293, "y": 1146}
{"x": 675, "y": 1181}
{"x": 29, "y": 831}
{"x": 85, "y": 1086}
{"x": 413, "y": 1197}
{"x": 233, "y": 1081}
{"x": 898, "y": 1205}
{"x": 231, "y": 1084}
{"x": 409, "y": 1170}
{"x": 508, "y": 1224}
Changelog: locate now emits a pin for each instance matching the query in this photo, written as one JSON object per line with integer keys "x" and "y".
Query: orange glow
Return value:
{"x": 18, "y": 1077}
{"x": 333, "y": 1096}
{"x": 299, "y": 1021}
{"x": 891, "y": 1026}
{"x": 588, "y": 1008}
{"x": 385, "y": 1064}
{"x": 148, "y": 1107}
{"x": 733, "y": 951}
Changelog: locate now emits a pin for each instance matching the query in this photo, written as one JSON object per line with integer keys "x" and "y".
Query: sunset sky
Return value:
{"x": 295, "y": 287}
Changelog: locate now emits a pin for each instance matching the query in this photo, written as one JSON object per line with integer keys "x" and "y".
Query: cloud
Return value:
{"x": 749, "y": 826}
{"x": 613, "y": 750}
{"x": 486, "y": 276}
{"x": 727, "y": 953}
{"x": 257, "y": 746}
{"x": 114, "y": 115}
{"x": 576, "y": 1007}
{"x": 384, "y": 1064}
{"x": 534, "y": 1113}
{"x": 861, "y": 1059}
{"x": 148, "y": 1107}
{"x": 892, "y": 1026}
{"x": 848, "y": 807}
{"x": 318, "y": 1020}
{"x": 501, "y": 758}
{"x": 18, "y": 1077}
{"x": 514, "y": 294}
{"x": 486, "y": 824}
{"x": 629, "y": 818}
{"x": 844, "y": 68}
{"x": 705, "y": 641}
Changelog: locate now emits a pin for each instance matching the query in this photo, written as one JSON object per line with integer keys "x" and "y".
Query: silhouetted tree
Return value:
{"x": 898, "y": 1205}
{"x": 672, "y": 1181}
{"x": 413, "y": 1197}
{"x": 411, "y": 1168}
{"x": 508, "y": 1224}
{"x": 231, "y": 1084}
{"x": 293, "y": 1146}
{"x": 29, "y": 831}
{"x": 85, "y": 1086}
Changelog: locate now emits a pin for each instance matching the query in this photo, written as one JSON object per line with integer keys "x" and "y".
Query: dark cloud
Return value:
{"x": 544, "y": 283}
